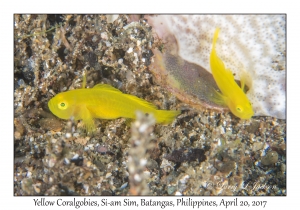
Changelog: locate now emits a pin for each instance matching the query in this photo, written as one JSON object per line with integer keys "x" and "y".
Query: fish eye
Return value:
{"x": 239, "y": 109}
{"x": 62, "y": 105}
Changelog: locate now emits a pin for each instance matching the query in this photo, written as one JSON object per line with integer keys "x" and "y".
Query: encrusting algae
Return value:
{"x": 105, "y": 102}
{"x": 232, "y": 95}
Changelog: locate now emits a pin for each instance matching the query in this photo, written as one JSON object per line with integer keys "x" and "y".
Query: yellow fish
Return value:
{"x": 105, "y": 102}
{"x": 232, "y": 94}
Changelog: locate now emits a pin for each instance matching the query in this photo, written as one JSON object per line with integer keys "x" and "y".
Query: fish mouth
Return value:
{"x": 248, "y": 116}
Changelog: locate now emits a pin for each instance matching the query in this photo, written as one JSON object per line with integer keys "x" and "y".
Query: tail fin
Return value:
{"x": 165, "y": 116}
{"x": 215, "y": 37}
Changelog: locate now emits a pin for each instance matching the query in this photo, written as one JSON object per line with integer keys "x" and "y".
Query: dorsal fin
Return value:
{"x": 229, "y": 74}
{"x": 141, "y": 101}
{"x": 245, "y": 80}
{"x": 84, "y": 80}
{"x": 107, "y": 87}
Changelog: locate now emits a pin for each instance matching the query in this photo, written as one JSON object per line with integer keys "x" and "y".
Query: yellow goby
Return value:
{"x": 232, "y": 94}
{"x": 105, "y": 102}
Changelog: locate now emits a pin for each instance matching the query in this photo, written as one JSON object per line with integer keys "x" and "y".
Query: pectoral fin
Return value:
{"x": 219, "y": 98}
{"x": 106, "y": 87}
{"x": 86, "y": 116}
{"x": 89, "y": 125}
